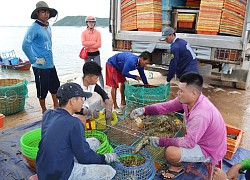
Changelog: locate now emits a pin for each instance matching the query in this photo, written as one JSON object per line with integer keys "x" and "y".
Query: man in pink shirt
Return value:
{"x": 205, "y": 138}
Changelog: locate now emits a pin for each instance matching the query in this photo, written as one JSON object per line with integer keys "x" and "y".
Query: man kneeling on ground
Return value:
{"x": 63, "y": 139}
{"x": 205, "y": 139}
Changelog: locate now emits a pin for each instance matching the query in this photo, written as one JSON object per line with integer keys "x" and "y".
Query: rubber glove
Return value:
{"x": 111, "y": 157}
{"x": 137, "y": 112}
{"x": 153, "y": 141}
{"x": 91, "y": 112}
{"x": 40, "y": 61}
{"x": 108, "y": 109}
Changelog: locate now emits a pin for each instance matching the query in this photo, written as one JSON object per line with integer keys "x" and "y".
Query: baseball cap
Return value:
{"x": 70, "y": 90}
{"x": 166, "y": 32}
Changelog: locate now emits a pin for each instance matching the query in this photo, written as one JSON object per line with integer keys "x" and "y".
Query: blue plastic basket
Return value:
{"x": 144, "y": 172}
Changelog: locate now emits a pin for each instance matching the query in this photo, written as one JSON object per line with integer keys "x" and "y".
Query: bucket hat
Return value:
{"x": 43, "y": 5}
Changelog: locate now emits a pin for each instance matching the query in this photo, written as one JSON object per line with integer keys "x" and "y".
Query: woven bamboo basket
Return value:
{"x": 12, "y": 95}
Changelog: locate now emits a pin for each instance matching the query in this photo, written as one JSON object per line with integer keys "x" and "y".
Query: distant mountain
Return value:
{"x": 80, "y": 21}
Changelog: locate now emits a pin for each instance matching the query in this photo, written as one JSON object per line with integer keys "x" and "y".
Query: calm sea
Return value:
{"x": 66, "y": 47}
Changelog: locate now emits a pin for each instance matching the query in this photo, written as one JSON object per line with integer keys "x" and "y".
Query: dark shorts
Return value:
{"x": 113, "y": 76}
{"x": 46, "y": 80}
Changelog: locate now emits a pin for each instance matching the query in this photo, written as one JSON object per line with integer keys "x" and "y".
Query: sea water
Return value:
{"x": 66, "y": 44}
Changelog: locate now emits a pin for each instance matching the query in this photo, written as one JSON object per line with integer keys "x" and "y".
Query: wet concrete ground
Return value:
{"x": 234, "y": 105}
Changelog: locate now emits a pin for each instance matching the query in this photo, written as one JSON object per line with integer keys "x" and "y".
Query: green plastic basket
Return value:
{"x": 105, "y": 146}
{"x": 13, "y": 93}
{"x": 29, "y": 143}
{"x": 140, "y": 93}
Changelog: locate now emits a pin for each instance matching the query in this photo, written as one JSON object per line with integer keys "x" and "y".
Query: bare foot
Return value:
{"x": 172, "y": 172}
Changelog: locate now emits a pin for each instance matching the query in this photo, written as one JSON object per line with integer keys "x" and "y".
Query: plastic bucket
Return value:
{"x": 1, "y": 120}
{"x": 29, "y": 143}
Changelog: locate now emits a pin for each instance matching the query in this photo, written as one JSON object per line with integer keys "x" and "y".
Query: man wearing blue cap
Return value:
{"x": 63, "y": 139}
{"x": 182, "y": 56}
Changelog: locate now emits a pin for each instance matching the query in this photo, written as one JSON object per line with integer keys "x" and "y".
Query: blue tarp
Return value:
{"x": 12, "y": 163}
{"x": 239, "y": 155}
{"x": 14, "y": 166}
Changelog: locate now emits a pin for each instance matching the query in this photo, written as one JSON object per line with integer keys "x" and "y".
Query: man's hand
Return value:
{"x": 108, "y": 109}
{"x": 219, "y": 174}
{"x": 111, "y": 157}
{"x": 153, "y": 141}
{"x": 108, "y": 112}
{"x": 233, "y": 172}
{"x": 138, "y": 78}
{"x": 137, "y": 112}
{"x": 91, "y": 112}
{"x": 40, "y": 61}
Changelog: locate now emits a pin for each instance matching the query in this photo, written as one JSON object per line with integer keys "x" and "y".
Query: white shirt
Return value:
{"x": 90, "y": 88}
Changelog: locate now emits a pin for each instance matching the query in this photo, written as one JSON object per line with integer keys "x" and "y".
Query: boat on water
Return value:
{"x": 9, "y": 60}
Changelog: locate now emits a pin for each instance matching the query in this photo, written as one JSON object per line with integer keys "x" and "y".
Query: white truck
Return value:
{"x": 216, "y": 50}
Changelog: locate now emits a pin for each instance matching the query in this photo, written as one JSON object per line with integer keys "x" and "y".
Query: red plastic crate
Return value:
{"x": 185, "y": 24}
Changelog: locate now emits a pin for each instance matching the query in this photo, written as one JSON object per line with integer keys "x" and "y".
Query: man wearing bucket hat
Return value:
{"x": 37, "y": 46}
{"x": 182, "y": 56}
{"x": 63, "y": 140}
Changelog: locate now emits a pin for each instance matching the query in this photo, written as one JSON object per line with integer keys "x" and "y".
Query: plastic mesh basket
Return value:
{"x": 146, "y": 171}
{"x": 138, "y": 95}
{"x": 143, "y": 93}
{"x": 126, "y": 132}
{"x": 105, "y": 146}
{"x": 29, "y": 143}
{"x": 12, "y": 95}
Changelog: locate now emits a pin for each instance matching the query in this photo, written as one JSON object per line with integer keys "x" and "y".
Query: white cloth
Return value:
{"x": 92, "y": 171}
{"x": 93, "y": 143}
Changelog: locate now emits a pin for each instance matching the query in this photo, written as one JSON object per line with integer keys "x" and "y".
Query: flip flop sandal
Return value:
{"x": 118, "y": 111}
{"x": 176, "y": 174}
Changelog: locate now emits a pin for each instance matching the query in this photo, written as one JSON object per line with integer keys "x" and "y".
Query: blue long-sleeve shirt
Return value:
{"x": 183, "y": 59}
{"x": 126, "y": 62}
{"x": 62, "y": 139}
{"x": 37, "y": 44}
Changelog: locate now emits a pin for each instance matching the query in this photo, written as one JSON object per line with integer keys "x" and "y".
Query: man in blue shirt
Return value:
{"x": 118, "y": 67}
{"x": 37, "y": 46}
{"x": 63, "y": 139}
{"x": 182, "y": 56}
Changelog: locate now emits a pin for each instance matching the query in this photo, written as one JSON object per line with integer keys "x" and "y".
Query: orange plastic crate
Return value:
{"x": 207, "y": 32}
{"x": 229, "y": 155}
{"x": 233, "y": 144}
{"x": 185, "y": 24}
{"x": 150, "y": 29}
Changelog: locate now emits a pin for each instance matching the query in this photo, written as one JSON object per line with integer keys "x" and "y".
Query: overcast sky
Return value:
{"x": 17, "y": 12}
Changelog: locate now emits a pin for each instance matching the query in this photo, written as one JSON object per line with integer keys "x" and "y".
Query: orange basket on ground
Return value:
{"x": 234, "y": 138}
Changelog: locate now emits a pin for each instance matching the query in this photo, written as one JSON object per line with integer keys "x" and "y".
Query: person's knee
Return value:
{"x": 173, "y": 154}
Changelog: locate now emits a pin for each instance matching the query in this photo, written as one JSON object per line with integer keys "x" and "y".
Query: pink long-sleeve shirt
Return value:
{"x": 91, "y": 40}
{"x": 205, "y": 127}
